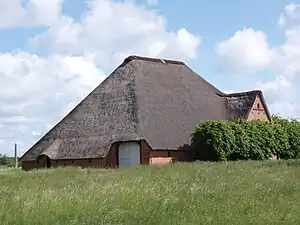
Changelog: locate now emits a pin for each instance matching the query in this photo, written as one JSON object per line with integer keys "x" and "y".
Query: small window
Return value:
{"x": 90, "y": 160}
{"x": 258, "y": 105}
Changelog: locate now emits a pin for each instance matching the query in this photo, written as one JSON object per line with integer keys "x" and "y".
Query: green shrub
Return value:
{"x": 242, "y": 140}
{"x": 242, "y": 143}
{"x": 7, "y": 161}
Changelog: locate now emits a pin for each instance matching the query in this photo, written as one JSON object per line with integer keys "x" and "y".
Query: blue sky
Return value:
{"x": 53, "y": 53}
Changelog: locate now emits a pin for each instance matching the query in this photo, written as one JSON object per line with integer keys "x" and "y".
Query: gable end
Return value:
{"x": 259, "y": 110}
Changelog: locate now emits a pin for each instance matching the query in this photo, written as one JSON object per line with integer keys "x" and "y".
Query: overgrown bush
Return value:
{"x": 242, "y": 140}
{"x": 7, "y": 161}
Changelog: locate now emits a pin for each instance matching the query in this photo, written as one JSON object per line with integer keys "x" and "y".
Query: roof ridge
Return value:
{"x": 168, "y": 61}
{"x": 243, "y": 93}
{"x": 151, "y": 59}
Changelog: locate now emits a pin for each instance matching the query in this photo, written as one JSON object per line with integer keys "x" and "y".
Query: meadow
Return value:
{"x": 249, "y": 192}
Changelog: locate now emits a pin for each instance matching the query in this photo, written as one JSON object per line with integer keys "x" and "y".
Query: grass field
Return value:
{"x": 212, "y": 193}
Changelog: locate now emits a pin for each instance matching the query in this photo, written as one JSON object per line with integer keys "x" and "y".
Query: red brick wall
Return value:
{"x": 111, "y": 160}
{"x": 40, "y": 163}
{"x": 159, "y": 153}
{"x": 175, "y": 155}
{"x": 84, "y": 163}
{"x": 28, "y": 165}
{"x": 145, "y": 152}
{"x": 258, "y": 111}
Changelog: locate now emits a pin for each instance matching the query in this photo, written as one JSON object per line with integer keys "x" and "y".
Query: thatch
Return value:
{"x": 240, "y": 104}
{"x": 159, "y": 101}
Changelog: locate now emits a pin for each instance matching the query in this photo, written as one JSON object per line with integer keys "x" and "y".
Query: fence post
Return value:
{"x": 16, "y": 156}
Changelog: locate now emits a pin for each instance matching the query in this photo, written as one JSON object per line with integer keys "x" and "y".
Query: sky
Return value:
{"x": 53, "y": 53}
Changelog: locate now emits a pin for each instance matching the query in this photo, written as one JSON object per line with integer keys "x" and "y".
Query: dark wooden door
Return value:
{"x": 48, "y": 162}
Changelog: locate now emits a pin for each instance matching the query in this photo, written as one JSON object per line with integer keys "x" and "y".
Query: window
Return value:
{"x": 258, "y": 105}
{"x": 90, "y": 160}
{"x": 72, "y": 161}
{"x": 169, "y": 154}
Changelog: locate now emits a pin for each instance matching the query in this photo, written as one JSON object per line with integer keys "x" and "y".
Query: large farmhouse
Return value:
{"x": 143, "y": 113}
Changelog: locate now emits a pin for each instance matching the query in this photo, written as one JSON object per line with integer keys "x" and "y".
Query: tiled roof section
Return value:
{"x": 160, "y": 101}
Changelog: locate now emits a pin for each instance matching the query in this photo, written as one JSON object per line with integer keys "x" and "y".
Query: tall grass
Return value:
{"x": 198, "y": 193}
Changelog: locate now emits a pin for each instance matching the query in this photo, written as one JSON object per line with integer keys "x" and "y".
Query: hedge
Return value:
{"x": 242, "y": 140}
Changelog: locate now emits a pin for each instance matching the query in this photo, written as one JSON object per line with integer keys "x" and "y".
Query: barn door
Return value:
{"x": 129, "y": 154}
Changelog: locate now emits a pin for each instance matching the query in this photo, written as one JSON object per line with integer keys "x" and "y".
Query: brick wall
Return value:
{"x": 168, "y": 156}
{"x": 110, "y": 161}
{"x": 258, "y": 111}
{"x": 145, "y": 152}
{"x": 84, "y": 163}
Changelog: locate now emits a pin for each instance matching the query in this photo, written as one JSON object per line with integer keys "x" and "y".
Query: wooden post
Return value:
{"x": 16, "y": 156}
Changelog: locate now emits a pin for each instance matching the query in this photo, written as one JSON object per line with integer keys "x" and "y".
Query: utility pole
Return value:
{"x": 16, "y": 156}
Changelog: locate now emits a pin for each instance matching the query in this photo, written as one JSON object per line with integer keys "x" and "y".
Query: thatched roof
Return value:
{"x": 239, "y": 104}
{"x": 160, "y": 101}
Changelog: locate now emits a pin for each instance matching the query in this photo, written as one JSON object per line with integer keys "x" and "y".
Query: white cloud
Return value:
{"x": 111, "y": 30}
{"x": 248, "y": 50}
{"x": 290, "y": 15}
{"x": 278, "y": 90}
{"x": 14, "y": 13}
{"x": 287, "y": 109}
{"x": 37, "y": 91}
{"x": 152, "y": 2}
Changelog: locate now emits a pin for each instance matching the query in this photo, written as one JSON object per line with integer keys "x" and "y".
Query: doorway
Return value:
{"x": 47, "y": 162}
{"x": 129, "y": 154}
